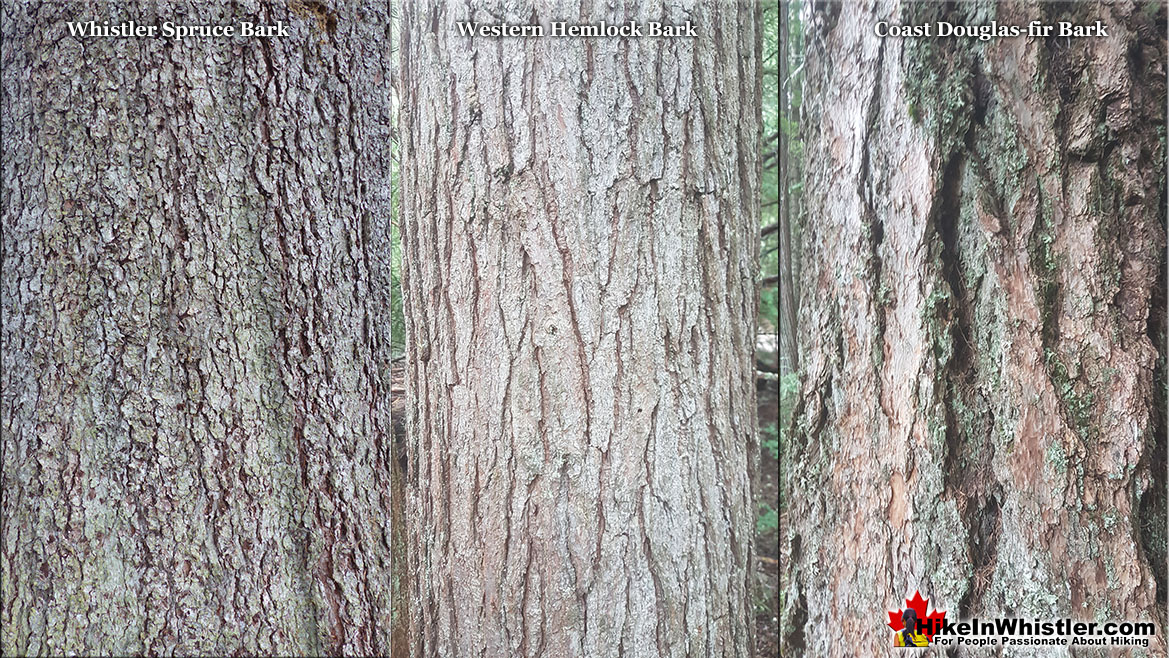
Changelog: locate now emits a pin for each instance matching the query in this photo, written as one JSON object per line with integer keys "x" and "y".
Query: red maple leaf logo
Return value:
{"x": 932, "y": 622}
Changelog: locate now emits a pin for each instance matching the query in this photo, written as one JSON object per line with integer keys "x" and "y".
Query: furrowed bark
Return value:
{"x": 195, "y": 444}
{"x": 580, "y": 242}
{"x": 981, "y": 324}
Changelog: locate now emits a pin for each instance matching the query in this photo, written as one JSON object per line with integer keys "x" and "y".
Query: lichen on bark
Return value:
{"x": 998, "y": 450}
{"x": 194, "y": 426}
{"x": 580, "y": 244}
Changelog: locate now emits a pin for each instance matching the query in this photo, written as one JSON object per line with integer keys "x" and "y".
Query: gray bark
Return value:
{"x": 788, "y": 295}
{"x": 194, "y": 434}
{"x": 580, "y": 226}
{"x": 980, "y": 325}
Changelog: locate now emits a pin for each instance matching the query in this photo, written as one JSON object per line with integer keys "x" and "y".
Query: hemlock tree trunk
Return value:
{"x": 195, "y": 443}
{"x": 980, "y": 326}
{"x": 580, "y": 243}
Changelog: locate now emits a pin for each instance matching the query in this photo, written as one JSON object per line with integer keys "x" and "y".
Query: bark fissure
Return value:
{"x": 599, "y": 384}
{"x": 172, "y": 288}
{"x": 983, "y": 261}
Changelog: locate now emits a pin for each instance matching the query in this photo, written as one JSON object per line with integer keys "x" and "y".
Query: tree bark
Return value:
{"x": 981, "y": 325}
{"x": 788, "y": 354}
{"x": 580, "y": 243}
{"x": 195, "y": 452}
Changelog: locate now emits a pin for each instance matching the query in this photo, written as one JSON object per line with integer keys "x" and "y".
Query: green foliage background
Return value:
{"x": 769, "y": 184}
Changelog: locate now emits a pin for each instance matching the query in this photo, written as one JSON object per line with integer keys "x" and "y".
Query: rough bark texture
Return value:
{"x": 580, "y": 240}
{"x": 195, "y": 453}
{"x": 980, "y": 326}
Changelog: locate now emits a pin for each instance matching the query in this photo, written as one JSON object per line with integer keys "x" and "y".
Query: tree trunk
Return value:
{"x": 580, "y": 239}
{"x": 195, "y": 452}
{"x": 788, "y": 354}
{"x": 980, "y": 325}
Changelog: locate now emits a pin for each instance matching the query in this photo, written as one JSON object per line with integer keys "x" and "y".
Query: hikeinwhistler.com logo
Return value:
{"x": 913, "y": 627}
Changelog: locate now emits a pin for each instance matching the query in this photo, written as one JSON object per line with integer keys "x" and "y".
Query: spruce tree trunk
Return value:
{"x": 981, "y": 327}
{"x": 195, "y": 431}
{"x": 580, "y": 241}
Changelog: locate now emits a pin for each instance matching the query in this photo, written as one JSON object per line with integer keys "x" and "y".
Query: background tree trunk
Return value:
{"x": 195, "y": 452}
{"x": 981, "y": 324}
{"x": 580, "y": 236}
{"x": 788, "y": 354}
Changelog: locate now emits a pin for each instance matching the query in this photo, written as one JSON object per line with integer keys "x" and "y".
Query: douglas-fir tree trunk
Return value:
{"x": 195, "y": 433}
{"x": 981, "y": 327}
{"x": 580, "y": 240}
